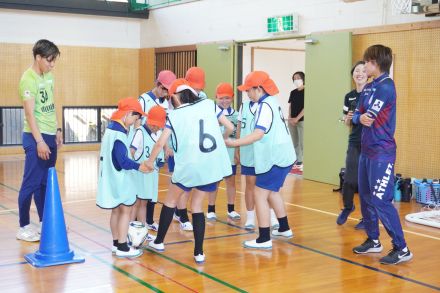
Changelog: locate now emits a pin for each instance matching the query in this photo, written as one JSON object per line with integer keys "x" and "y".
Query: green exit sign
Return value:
{"x": 282, "y": 24}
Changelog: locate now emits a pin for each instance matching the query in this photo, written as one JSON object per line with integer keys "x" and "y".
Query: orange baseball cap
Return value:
{"x": 196, "y": 77}
{"x": 179, "y": 85}
{"x": 259, "y": 78}
{"x": 157, "y": 116}
{"x": 126, "y": 105}
{"x": 224, "y": 89}
{"x": 166, "y": 78}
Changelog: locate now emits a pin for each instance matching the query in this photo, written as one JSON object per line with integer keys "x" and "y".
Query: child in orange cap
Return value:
{"x": 224, "y": 95}
{"x": 198, "y": 146}
{"x": 273, "y": 156}
{"x": 157, "y": 96}
{"x": 195, "y": 76}
{"x": 146, "y": 185}
{"x": 114, "y": 170}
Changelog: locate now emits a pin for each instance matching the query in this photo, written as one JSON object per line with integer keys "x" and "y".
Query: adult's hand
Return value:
{"x": 43, "y": 150}
{"x": 366, "y": 120}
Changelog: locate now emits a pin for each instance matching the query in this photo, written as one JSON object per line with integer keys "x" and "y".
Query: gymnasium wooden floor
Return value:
{"x": 317, "y": 259}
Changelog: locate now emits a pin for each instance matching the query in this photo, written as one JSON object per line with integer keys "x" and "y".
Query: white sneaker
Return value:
{"x": 27, "y": 233}
{"x": 154, "y": 227}
{"x": 249, "y": 225}
{"x": 211, "y": 216}
{"x": 158, "y": 247}
{"x": 234, "y": 215}
{"x": 200, "y": 258}
{"x": 254, "y": 244}
{"x": 150, "y": 237}
{"x": 274, "y": 224}
{"x": 176, "y": 217}
{"x": 286, "y": 234}
{"x": 114, "y": 248}
{"x": 132, "y": 253}
{"x": 187, "y": 226}
{"x": 39, "y": 228}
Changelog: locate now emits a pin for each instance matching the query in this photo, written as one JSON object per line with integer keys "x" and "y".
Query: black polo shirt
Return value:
{"x": 350, "y": 102}
{"x": 296, "y": 101}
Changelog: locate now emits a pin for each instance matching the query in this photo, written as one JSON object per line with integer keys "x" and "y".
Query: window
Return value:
{"x": 11, "y": 123}
{"x": 85, "y": 124}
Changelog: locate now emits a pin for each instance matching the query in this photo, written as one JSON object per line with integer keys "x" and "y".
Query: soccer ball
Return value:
{"x": 137, "y": 233}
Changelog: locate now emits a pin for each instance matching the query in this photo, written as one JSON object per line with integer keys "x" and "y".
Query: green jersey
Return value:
{"x": 40, "y": 88}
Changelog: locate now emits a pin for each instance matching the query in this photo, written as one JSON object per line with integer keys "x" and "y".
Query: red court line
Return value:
{"x": 136, "y": 262}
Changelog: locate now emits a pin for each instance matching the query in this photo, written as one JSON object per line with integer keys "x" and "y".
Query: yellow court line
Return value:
{"x": 334, "y": 214}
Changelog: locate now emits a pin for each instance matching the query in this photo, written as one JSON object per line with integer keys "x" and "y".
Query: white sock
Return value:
{"x": 405, "y": 249}
{"x": 375, "y": 240}
{"x": 250, "y": 215}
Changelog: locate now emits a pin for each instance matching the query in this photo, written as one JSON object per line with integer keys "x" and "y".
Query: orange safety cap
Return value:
{"x": 196, "y": 77}
{"x": 126, "y": 105}
{"x": 259, "y": 78}
{"x": 224, "y": 89}
{"x": 157, "y": 116}
{"x": 179, "y": 85}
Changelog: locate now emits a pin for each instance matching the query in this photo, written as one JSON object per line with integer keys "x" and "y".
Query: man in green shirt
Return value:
{"x": 41, "y": 138}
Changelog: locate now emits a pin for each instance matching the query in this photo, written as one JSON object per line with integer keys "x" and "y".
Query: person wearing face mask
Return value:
{"x": 296, "y": 117}
{"x": 350, "y": 185}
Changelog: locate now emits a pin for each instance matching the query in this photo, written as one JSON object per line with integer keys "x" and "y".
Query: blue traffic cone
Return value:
{"x": 54, "y": 245}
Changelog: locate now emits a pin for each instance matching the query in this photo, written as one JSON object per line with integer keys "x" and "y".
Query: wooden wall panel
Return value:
{"x": 416, "y": 66}
{"x": 83, "y": 75}
{"x": 146, "y": 70}
{"x": 177, "y": 61}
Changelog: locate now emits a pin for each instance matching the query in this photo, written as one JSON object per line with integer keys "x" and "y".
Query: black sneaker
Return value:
{"x": 345, "y": 212}
{"x": 368, "y": 246}
{"x": 360, "y": 225}
{"x": 396, "y": 256}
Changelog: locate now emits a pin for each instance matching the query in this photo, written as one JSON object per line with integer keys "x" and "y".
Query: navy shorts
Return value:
{"x": 234, "y": 170}
{"x": 207, "y": 188}
{"x": 247, "y": 171}
{"x": 171, "y": 164}
{"x": 273, "y": 179}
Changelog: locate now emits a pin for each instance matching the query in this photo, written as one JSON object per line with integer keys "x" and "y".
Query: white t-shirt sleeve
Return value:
{"x": 218, "y": 111}
{"x": 240, "y": 113}
{"x": 264, "y": 117}
{"x": 137, "y": 143}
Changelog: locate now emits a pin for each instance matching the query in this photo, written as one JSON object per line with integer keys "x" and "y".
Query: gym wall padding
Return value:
{"x": 416, "y": 74}
{"x": 328, "y": 64}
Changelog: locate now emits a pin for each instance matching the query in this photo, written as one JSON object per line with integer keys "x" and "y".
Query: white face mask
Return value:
{"x": 298, "y": 83}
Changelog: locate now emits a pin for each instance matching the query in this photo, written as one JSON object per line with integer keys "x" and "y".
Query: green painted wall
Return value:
{"x": 218, "y": 65}
{"x": 328, "y": 64}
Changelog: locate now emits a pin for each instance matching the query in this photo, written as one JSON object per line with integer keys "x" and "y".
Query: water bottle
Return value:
{"x": 397, "y": 189}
